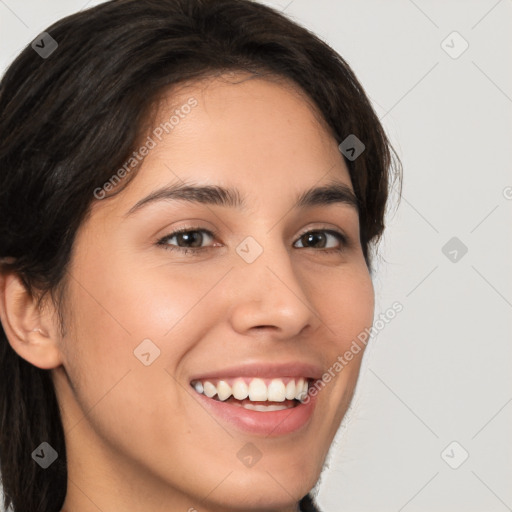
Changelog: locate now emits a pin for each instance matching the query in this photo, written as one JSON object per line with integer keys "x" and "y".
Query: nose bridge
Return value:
{"x": 269, "y": 292}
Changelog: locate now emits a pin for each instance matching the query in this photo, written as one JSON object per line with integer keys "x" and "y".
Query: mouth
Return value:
{"x": 270, "y": 406}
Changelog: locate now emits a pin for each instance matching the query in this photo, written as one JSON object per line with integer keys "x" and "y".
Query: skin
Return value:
{"x": 136, "y": 436}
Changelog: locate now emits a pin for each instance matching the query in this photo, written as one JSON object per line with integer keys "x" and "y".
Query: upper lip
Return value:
{"x": 264, "y": 369}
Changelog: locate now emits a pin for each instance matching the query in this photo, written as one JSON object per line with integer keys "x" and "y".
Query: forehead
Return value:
{"x": 263, "y": 136}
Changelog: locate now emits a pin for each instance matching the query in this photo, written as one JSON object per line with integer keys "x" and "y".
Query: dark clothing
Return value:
{"x": 307, "y": 504}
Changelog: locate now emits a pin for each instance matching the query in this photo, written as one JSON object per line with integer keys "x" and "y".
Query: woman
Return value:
{"x": 190, "y": 191}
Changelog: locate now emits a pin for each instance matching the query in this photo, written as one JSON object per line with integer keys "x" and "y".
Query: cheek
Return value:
{"x": 344, "y": 300}
{"x": 351, "y": 315}
{"x": 353, "y": 303}
{"x": 114, "y": 309}
{"x": 127, "y": 301}
{"x": 345, "y": 303}
{"x": 118, "y": 307}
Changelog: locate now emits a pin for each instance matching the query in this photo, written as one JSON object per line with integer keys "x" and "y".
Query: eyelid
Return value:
{"x": 325, "y": 229}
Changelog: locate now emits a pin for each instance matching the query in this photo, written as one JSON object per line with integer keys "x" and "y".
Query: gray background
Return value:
{"x": 441, "y": 370}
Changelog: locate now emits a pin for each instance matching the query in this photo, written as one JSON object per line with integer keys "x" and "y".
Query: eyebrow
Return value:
{"x": 335, "y": 192}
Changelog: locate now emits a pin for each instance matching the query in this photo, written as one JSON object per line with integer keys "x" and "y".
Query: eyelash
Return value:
{"x": 195, "y": 250}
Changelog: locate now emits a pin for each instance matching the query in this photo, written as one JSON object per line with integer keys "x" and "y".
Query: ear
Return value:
{"x": 32, "y": 333}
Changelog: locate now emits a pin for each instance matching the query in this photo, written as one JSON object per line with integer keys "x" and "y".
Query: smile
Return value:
{"x": 270, "y": 406}
{"x": 247, "y": 390}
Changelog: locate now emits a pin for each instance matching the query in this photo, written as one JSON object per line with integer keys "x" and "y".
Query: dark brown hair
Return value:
{"x": 69, "y": 120}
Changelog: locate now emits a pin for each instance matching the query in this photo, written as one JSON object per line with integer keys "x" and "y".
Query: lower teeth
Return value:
{"x": 265, "y": 408}
{"x": 261, "y": 407}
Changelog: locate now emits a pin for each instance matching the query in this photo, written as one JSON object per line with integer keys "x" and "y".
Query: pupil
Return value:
{"x": 311, "y": 236}
{"x": 189, "y": 237}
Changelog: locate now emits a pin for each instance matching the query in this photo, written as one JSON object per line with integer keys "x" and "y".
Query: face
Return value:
{"x": 258, "y": 295}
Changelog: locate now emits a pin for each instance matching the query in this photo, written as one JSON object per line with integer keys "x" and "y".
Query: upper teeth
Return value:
{"x": 272, "y": 390}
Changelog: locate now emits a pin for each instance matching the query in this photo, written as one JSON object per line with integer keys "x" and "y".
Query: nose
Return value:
{"x": 268, "y": 295}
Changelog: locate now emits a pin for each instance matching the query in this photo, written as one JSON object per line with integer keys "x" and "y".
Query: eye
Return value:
{"x": 320, "y": 237}
{"x": 189, "y": 240}
{"x": 190, "y": 237}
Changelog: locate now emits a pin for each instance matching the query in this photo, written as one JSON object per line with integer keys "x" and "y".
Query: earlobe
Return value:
{"x": 31, "y": 332}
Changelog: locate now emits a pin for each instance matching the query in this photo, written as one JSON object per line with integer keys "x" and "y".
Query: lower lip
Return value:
{"x": 269, "y": 424}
